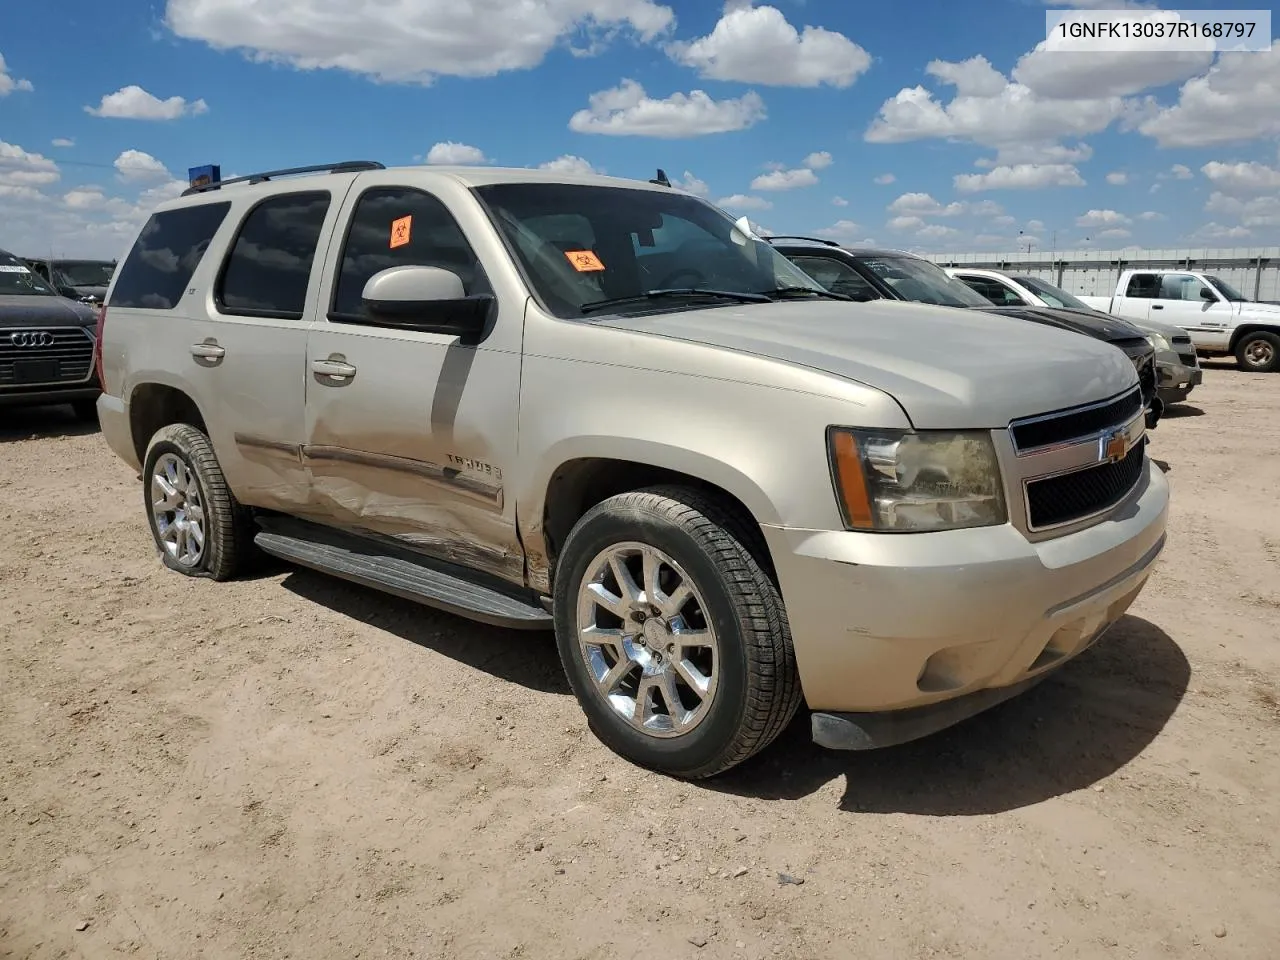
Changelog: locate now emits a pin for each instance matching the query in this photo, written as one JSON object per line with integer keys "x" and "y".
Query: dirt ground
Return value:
{"x": 294, "y": 767}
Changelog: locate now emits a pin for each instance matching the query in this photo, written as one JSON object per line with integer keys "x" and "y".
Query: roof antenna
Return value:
{"x": 661, "y": 180}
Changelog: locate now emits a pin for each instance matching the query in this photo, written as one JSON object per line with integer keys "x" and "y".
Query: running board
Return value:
{"x": 409, "y": 580}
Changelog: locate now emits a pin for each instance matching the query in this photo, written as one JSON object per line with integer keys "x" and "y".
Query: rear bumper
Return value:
{"x": 113, "y": 419}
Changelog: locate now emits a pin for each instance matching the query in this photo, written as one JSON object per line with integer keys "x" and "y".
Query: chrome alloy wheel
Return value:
{"x": 1260, "y": 353}
{"x": 177, "y": 509}
{"x": 644, "y": 636}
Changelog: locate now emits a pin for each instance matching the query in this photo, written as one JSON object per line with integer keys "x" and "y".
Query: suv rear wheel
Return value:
{"x": 199, "y": 528}
{"x": 675, "y": 641}
{"x": 1259, "y": 352}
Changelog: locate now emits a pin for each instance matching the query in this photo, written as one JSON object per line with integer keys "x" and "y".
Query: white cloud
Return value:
{"x": 842, "y": 230}
{"x": 1008, "y": 117}
{"x": 1005, "y": 221}
{"x": 785, "y": 179}
{"x": 936, "y": 231}
{"x": 753, "y": 44}
{"x": 1021, "y": 176}
{"x": 1263, "y": 211}
{"x": 905, "y": 223}
{"x": 922, "y": 204}
{"x": 839, "y": 202}
{"x": 449, "y": 152}
{"x": 1219, "y": 231}
{"x": 134, "y": 103}
{"x": 742, "y": 201}
{"x": 134, "y": 166}
{"x": 85, "y": 198}
{"x": 1150, "y": 215}
{"x": 570, "y": 165}
{"x": 413, "y": 41}
{"x": 625, "y": 110}
{"x": 1117, "y": 178}
{"x": 692, "y": 184}
{"x": 1056, "y": 74}
{"x": 1101, "y": 218}
{"x": 885, "y": 179}
{"x": 9, "y": 83}
{"x": 63, "y": 142}
{"x": 1180, "y": 172}
{"x": 20, "y": 168}
{"x": 1242, "y": 179}
{"x": 1035, "y": 226}
{"x": 1115, "y": 233}
{"x": 1036, "y": 152}
{"x": 818, "y": 160}
{"x": 1235, "y": 101}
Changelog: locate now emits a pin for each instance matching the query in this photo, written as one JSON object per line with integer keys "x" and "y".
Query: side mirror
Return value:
{"x": 428, "y": 299}
{"x": 1207, "y": 294}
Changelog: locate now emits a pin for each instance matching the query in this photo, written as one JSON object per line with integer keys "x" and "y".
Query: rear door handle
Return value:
{"x": 1157, "y": 306}
{"x": 208, "y": 351}
{"x": 333, "y": 369}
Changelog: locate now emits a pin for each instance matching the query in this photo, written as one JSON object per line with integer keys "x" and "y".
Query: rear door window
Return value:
{"x": 269, "y": 267}
{"x": 171, "y": 245}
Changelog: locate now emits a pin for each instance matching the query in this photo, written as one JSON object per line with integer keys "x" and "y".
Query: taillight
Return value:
{"x": 97, "y": 345}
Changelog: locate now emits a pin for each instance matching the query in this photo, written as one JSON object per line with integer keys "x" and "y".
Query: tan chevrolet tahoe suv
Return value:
{"x": 604, "y": 407}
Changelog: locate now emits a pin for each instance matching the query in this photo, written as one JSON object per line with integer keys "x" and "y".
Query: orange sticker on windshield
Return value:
{"x": 584, "y": 261}
{"x": 400, "y": 230}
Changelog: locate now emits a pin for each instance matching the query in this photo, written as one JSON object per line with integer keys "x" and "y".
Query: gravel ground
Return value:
{"x": 293, "y": 767}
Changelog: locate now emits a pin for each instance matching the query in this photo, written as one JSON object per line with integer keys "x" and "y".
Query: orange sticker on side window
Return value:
{"x": 400, "y": 230}
{"x": 584, "y": 261}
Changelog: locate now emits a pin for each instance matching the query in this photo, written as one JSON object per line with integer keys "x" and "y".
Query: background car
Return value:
{"x": 84, "y": 280}
{"x": 872, "y": 274}
{"x": 46, "y": 343}
{"x": 1177, "y": 366}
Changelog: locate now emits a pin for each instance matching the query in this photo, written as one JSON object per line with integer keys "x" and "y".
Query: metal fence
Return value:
{"x": 1254, "y": 271}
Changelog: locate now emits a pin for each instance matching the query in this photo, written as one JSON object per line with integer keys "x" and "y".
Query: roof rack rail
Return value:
{"x": 789, "y": 236}
{"x": 345, "y": 166}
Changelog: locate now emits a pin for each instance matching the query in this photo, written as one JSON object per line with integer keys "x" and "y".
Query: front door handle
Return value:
{"x": 338, "y": 370}
{"x": 1157, "y": 306}
{"x": 208, "y": 350}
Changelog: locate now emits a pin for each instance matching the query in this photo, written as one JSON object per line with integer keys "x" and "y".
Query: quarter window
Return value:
{"x": 269, "y": 267}
{"x": 169, "y": 248}
{"x": 395, "y": 227}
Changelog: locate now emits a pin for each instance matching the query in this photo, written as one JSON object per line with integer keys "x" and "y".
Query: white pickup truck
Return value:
{"x": 1219, "y": 318}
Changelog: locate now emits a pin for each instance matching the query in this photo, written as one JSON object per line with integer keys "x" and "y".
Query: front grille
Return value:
{"x": 1074, "y": 424}
{"x": 1073, "y": 496}
{"x": 26, "y": 359}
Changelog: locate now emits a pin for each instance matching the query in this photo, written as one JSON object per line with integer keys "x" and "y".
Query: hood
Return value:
{"x": 948, "y": 368}
{"x": 28, "y": 311}
{"x": 1089, "y": 322}
{"x": 1269, "y": 310}
{"x": 1166, "y": 330}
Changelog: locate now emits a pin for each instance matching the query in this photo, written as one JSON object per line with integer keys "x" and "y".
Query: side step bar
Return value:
{"x": 407, "y": 579}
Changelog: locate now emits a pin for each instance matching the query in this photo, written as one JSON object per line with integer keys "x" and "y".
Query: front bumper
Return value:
{"x": 884, "y": 623}
{"x": 1174, "y": 379}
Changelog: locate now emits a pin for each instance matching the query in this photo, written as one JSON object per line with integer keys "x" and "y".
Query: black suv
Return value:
{"x": 870, "y": 274}
{"x": 47, "y": 343}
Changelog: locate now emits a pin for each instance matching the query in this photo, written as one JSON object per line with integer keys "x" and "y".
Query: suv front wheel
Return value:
{"x": 199, "y": 528}
{"x": 673, "y": 637}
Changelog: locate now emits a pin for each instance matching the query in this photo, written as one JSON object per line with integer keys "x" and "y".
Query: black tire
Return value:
{"x": 1258, "y": 352}
{"x": 228, "y": 530}
{"x": 758, "y": 686}
{"x": 85, "y": 410}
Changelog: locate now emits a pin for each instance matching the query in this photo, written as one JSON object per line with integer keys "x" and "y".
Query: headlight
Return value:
{"x": 894, "y": 480}
{"x": 1158, "y": 342}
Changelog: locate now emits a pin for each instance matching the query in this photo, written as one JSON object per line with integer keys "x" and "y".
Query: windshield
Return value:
{"x": 923, "y": 282}
{"x": 16, "y": 279}
{"x": 1053, "y": 296}
{"x": 85, "y": 273}
{"x": 584, "y": 244}
{"x": 1227, "y": 290}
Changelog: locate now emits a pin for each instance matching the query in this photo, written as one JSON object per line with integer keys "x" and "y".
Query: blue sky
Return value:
{"x": 926, "y": 125}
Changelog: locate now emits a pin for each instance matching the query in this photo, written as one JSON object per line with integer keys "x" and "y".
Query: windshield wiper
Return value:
{"x": 789, "y": 291}
{"x": 596, "y": 305}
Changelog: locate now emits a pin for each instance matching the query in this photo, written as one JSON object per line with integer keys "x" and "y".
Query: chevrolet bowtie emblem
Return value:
{"x": 1113, "y": 445}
